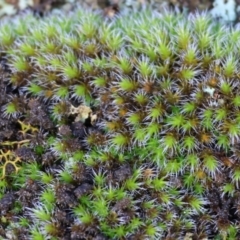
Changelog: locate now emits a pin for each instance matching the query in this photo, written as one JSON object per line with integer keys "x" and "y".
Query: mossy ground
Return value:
{"x": 121, "y": 128}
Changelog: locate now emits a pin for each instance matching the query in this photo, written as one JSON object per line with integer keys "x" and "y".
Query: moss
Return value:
{"x": 160, "y": 159}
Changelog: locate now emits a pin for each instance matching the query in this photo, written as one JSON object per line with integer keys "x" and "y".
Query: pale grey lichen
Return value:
{"x": 10, "y": 8}
{"x": 225, "y": 10}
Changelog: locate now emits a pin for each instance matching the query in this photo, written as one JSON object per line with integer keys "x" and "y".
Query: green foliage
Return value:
{"x": 37, "y": 235}
{"x": 120, "y": 140}
{"x": 127, "y": 85}
{"x": 42, "y": 214}
{"x": 158, "y": 155}
{"x": 83, "y": 215}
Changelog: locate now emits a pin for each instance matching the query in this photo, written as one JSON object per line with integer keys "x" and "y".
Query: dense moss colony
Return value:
{"x": 126, "y": 128}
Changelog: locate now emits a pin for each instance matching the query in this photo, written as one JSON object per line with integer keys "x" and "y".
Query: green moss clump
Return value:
{"x": 160, "y": 161}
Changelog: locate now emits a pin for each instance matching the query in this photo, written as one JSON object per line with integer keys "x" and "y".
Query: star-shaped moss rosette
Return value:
{"x": 161, "y": 160}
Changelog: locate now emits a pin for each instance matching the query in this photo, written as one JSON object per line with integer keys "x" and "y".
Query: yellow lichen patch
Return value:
{"x": 188, "y": 236}
{"x": 26, "y": 127}
{"x": 83, "y": 112}
{"x": 8, "y": 158}
{"x": 93, "y": 118}
{"x": 12, "y": 144}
